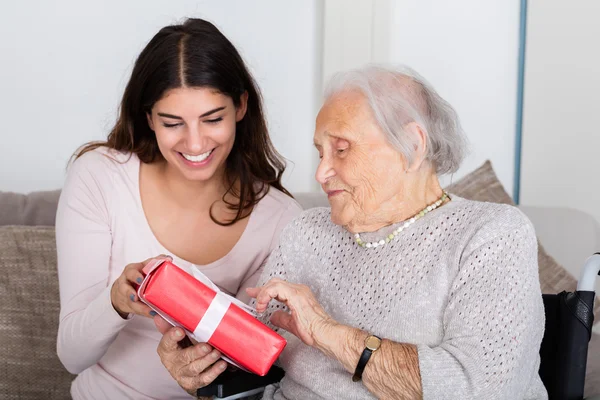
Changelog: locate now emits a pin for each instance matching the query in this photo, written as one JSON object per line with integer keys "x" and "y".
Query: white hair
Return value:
{"x": 398, "y": 96}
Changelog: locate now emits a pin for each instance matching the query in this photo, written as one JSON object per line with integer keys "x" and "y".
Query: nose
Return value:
{"x": 194, "y": 140}
{"x": 325, "y": 170}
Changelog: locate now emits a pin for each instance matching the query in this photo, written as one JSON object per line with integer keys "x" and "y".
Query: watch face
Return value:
{"x": 372, "y": 343}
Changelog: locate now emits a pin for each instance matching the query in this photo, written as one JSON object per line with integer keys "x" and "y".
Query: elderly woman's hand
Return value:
{"x": 192, "y": 367}
{"x": 306, "y": 318}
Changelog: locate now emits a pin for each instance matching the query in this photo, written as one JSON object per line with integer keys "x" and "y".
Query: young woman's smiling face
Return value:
{"x": 195, "y": 130}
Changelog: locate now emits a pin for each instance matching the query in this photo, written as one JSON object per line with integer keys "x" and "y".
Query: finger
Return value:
{"x": 127, "y": 291}
{"x": 276, "y": 290}
{"x": 286, "y": 322}
{"x": 139, "y": 266}
{"x": 213, "y": 372}
{"x": 200, "y": 365}
{"x": 283, "y": 320}
{"x": 204, "y": 379}
{"x": 162, "y": 325}
{"x": 253, "y": 292}
{"x": 142, "y": 309}
{"x": 194, "y": 360}
{"x": 264, "y": 296}
{"x": 169, "y": 342}
{"x": 134, "y": 275}
{"x": 158, "y": 257}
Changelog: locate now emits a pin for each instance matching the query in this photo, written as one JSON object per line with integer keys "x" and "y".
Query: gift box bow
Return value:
{"x": 212, "y": 317}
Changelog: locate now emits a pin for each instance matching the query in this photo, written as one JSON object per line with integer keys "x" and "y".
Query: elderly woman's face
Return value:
{"x": 359, "y": 170}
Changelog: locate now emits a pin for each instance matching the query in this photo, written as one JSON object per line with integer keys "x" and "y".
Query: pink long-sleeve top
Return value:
{"x": 100, "y": 228}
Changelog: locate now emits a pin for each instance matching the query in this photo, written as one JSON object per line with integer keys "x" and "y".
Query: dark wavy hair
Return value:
{"x": 197, "y": 54}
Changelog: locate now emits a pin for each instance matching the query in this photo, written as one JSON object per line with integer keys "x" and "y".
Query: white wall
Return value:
{"x": 65, "y": 64}
{"x": 468, "y": 50}
{"x": 355, "y": 34}
{"x": 561, "y": 120}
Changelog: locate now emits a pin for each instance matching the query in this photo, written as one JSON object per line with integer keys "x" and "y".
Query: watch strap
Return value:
{"x": 362, "y": 363}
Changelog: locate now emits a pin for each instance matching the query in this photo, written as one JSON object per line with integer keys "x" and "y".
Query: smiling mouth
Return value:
{"x": 198, "y": 158}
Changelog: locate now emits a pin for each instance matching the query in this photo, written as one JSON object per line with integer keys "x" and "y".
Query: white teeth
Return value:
{"x": 199, "y": 158}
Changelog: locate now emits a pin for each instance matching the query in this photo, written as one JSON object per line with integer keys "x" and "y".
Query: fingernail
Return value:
{"x": 132, "y": 297}
{"x": 139, "y": 280}
{"x": 178, "y": 333}
{"x": 222, "y": 366}
{"x": 153, "y": 313}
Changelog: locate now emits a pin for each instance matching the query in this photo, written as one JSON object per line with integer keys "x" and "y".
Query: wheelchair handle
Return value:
{"x": 591, "y": 269}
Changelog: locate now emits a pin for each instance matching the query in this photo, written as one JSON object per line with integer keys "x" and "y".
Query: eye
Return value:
{"x": 171, "y": 125}
{"x": 214, "y": 121}
{"x": 341, "y": 151}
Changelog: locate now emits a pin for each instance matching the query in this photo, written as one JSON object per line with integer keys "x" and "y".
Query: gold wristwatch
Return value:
{"x": 372, "y": 344}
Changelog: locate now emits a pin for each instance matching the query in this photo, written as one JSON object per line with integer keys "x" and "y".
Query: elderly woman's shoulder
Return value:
{"x": 276, "y": 199}
{"x": 315, "y": 216}
{"x": 491, "y": 219}
{"x": 316, "y": 219}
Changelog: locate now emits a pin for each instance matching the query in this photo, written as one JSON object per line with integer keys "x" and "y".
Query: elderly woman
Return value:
{"x": 400, "y": 290}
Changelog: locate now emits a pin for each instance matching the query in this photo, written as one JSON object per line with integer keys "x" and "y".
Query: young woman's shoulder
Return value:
{"x": 103, "y": 158}
{"x": 274, "y": 211}
{"x": 94, "y": 182}
{"x": 276, "y": 203}
{"x": 102, "y": 170}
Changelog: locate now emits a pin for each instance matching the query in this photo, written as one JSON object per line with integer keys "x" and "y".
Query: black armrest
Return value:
{"x": 238, "y": 381}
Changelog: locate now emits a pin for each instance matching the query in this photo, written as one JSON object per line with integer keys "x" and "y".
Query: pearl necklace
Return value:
{"x": 406, "y": 224}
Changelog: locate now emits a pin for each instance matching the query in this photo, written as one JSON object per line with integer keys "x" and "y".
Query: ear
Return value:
{"x": 420, "y": 145}
{"x": 150, "y": 122}
{"x": 240, "y": 112}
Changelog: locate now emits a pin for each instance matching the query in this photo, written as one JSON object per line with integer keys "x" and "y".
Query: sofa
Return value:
{"x": 30, "y": 369}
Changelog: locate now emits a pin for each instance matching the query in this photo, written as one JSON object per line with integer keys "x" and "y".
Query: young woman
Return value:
{"x": 188, "y": 171}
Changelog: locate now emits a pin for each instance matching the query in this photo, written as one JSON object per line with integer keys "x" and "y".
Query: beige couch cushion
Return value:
{"x": 30, "y": 368}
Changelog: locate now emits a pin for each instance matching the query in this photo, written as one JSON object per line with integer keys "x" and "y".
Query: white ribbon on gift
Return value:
{"x": 213, "y": 316}
{"x": 216, "y": 310}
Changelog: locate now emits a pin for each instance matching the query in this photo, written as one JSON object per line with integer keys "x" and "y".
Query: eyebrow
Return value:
{"x": 206, "y": 114}
{"x": 330, "y": 135}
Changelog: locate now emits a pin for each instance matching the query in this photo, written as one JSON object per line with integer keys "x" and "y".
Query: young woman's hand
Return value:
{"x": 123, "y": 293}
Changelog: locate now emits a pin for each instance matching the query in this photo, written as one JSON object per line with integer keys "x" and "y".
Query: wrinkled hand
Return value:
{"x": 192, "y": 367}
{"x": 123, "y": 293}
{"x": 306, "y": 318}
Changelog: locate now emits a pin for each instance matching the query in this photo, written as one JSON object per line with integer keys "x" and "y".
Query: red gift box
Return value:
{"x": 210, "y": 316}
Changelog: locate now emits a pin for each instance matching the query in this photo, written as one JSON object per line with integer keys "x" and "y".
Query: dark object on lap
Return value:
{"x": 238, "y": 381}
